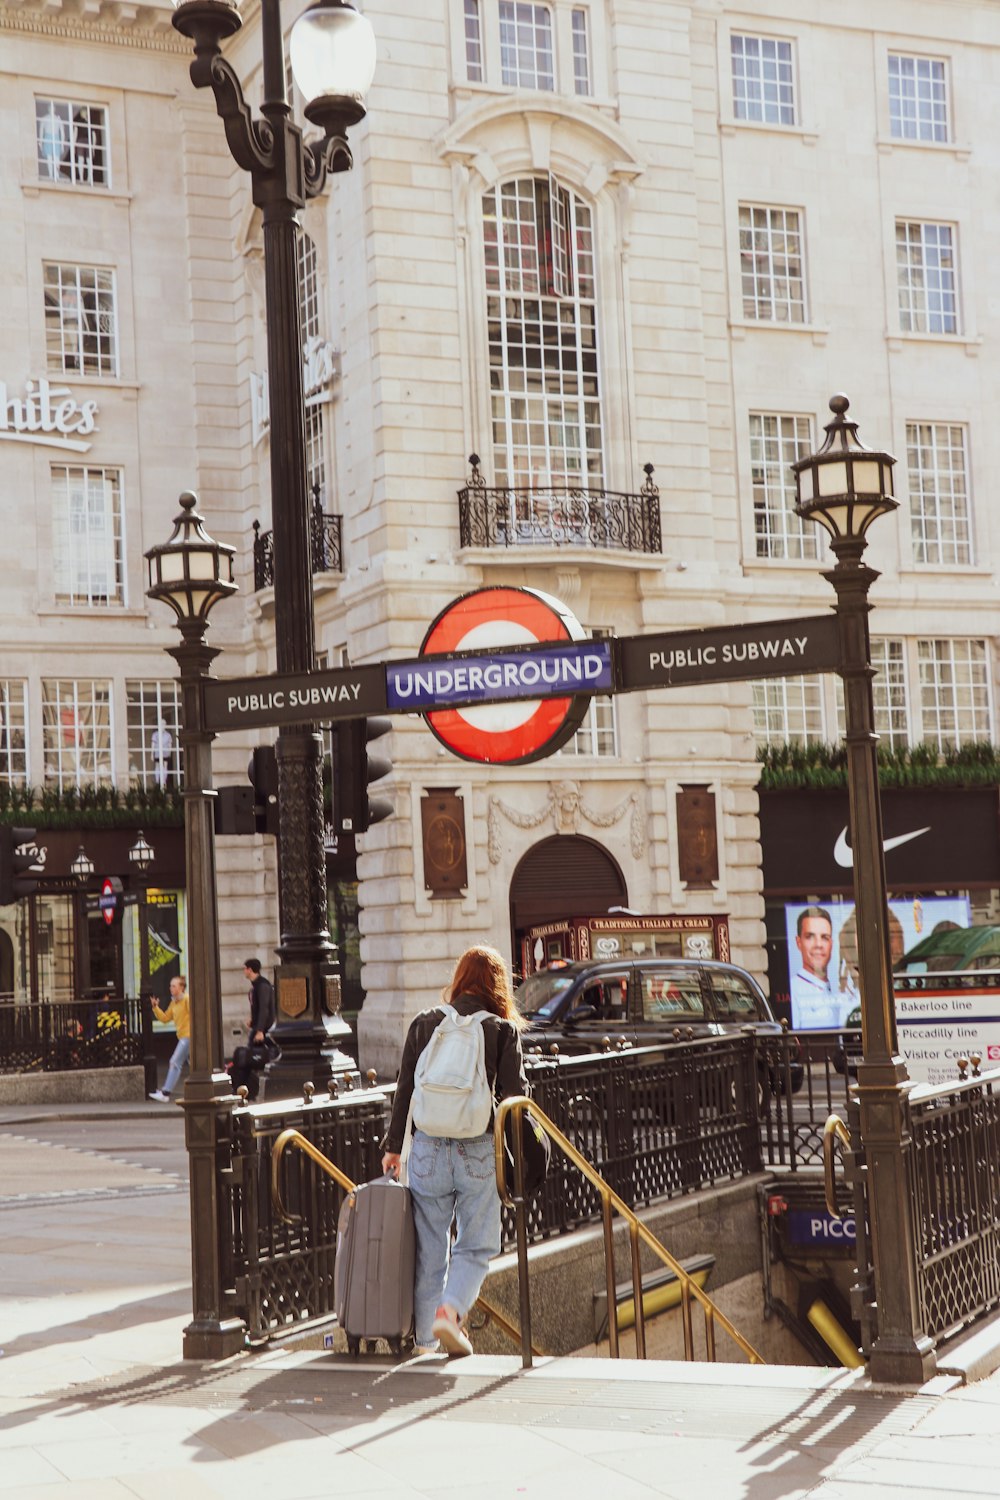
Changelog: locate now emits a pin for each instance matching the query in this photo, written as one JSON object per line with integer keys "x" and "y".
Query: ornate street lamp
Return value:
{"x": 141, "y": 854}
{"x": 82, "y": 867}
{"x": 333, "y": 60}
{"x": 191, "y": 573}
{"x": 845, "y": 487}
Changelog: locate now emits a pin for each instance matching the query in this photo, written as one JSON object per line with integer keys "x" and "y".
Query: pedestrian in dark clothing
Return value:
{"x": 249, "y": 1061}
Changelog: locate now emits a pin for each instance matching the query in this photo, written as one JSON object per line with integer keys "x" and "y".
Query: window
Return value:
{"x": 13, "y": 745}
{"x": 608, "y": 997}
{"x": 598, "y": 734}
{"x": 526, "y": 55}
{"x": 788, "y": 708}
{"x": 925, "y": 265}
{"x": 672, "y": 995}
{"x": 954, "y": 691}
{"x": 581, "y": 53}
{"x": 918, "y": 102}
{"x": 76, "y": 732}
{"x": 473, "y": 42}
{"x": 72, "y": 142}
{"x": 80, "y": 322}
{"x": 763, "y": 87}
{"x": 309, "y": 310}
{"x": 542, "y": 322}
{"x": 889, "y": 692}
{"x": 939, "y": 495}
{"x": 87, "y": 553}
{"x": 734, "y": 999}
{"x": 153, "y": 718}
{"x": 776, "y": 441}
{"x": 771, "y": 264}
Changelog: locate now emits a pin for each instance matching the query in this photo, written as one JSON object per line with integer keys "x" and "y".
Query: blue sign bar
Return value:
{"x": 819, "y": 1228}
{"x": 554, "y": 671}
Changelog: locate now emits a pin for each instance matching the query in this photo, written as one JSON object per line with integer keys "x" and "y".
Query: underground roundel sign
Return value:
{"x": 494, "y": 619}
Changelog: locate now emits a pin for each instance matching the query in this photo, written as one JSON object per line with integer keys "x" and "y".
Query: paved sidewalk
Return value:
{"x": 95, "y": 1403}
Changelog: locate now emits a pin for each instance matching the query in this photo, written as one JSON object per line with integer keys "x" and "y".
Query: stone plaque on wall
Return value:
{"x": 442, "y": 820}
{"x": 697, "y": 841}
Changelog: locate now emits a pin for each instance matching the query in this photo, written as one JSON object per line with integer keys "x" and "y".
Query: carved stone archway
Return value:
{"x": 564, "y": 876}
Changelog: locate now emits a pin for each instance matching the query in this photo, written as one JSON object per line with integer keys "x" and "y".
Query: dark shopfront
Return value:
{"x": 65, "y": 942}
{"x": 942, "y": 854}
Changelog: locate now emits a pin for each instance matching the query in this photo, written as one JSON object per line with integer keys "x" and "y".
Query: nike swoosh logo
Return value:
{"x": 842, "y": 849}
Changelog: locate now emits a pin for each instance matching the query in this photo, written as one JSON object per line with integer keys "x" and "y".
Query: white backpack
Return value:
{"x": 451, "y": 1092}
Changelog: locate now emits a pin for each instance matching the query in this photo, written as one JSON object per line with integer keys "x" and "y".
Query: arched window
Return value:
{"x": 542, "y": 331}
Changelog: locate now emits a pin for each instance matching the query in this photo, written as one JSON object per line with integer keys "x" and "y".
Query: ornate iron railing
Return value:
{"x": 44, "y": 1037}
{"x": 326, "y": 545}
{"x": 558, "y": 516}
{"x": 809, "y": 1076}
{"x": 656, "y": 1123}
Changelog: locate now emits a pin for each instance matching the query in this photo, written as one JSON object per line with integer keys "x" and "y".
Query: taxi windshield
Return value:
{"x": 541, "y": 994}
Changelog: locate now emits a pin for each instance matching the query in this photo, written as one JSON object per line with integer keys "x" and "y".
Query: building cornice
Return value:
{"x": 106, "y": 23}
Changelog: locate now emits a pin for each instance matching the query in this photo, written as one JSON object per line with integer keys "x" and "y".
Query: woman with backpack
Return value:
{"x": 458, "y": 1060}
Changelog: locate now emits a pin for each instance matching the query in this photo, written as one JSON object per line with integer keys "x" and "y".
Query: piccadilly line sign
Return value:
{"x": 545, "y": 670}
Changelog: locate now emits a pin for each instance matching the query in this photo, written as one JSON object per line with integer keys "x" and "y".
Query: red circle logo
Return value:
{"x": 510, "y": 734}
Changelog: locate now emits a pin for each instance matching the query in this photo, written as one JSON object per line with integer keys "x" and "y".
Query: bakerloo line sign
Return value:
{"x": 505, "y": 675}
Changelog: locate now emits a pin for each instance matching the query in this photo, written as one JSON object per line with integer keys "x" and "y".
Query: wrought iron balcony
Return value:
{"x": 326, "y": 540}
{"x": 558, "y": 516}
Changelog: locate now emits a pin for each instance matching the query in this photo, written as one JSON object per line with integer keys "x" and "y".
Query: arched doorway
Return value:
{"x": 563, "y": 876}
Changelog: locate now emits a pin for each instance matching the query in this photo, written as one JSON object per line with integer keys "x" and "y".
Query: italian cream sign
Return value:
{"x": 47, "y": 414}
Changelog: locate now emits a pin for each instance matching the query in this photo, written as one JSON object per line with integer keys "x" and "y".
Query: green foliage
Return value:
{"x": 92, "y": 806}
{"x": 817, "y": 765}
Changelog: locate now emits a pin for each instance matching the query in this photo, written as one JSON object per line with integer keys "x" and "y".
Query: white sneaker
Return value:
{"x": 159, "y": 1096}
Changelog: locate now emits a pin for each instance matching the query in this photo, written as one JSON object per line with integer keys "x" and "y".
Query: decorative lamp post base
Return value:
{"x": 311, "y": 1030}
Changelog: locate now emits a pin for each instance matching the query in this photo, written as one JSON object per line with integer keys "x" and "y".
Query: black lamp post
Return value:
{"x": 845, "y": 487}
{"x": 333, "y": 58}
{"x": 192, "y": 573}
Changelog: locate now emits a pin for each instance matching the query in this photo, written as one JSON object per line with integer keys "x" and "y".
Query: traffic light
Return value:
{"x": 263, "y": 773}
{"x": 253, "y": 808}
{"x": 17, "y": 855}
{"x": 355, "y": 767}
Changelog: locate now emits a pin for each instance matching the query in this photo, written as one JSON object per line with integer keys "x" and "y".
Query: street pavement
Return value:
{"x": 96, "y": 1403}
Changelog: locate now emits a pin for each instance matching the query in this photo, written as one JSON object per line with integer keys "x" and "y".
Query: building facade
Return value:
{"x": 578, "y": 239}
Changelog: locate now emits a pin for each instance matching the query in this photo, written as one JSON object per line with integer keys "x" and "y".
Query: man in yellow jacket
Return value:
{"x": 179, "y": 1012}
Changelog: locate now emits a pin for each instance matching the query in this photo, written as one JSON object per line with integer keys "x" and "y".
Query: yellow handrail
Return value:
{"x": 610, "y": 1200}
{"x": 833, "y": 1130}
{"x": 292, "y": 1137}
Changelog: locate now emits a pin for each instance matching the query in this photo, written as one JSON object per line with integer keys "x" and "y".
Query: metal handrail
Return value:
{"x": 834, "y": 1130}
{"x": 293, "y": 1137}
{"x": 515, "y": 1107}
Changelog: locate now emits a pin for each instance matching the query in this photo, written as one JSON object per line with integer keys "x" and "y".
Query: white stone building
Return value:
{"x": 712, "y": 218}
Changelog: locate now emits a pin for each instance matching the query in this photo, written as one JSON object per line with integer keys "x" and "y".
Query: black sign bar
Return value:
{"x": 296, "y": 698}
{"x": 725, "y": 653}
{"x": 729, "y": 653}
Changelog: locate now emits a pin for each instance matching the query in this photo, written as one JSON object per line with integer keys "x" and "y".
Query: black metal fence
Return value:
{"x": 656, "y": 1122}
{"x": 44, "y": 1037}
{"x": 326, "y": 546}
{"x": 559, "y": 516}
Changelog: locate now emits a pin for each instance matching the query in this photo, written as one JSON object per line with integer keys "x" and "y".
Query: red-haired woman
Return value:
{"x": 451, "y": 1177}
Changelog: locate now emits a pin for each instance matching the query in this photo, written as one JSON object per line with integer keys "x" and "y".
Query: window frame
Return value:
{"x": 487, "y": 74}
{"x": 776, "y": 478}
{"x": 59, "y": 319}
{"x": 539, "y": 8}
{"x": 773, "y": 271}
{"x": 910, "y": 317}
{"x": 73, "y": 105}
{"x": 167, "y": 698}
{"x": 926, "y": 482}
{"x": 75, "y": 776}
{"x": 64, "y": 531}
{"x": 10, "y": 724}
{"x": 762, "y": 120}
{"x": 955, "y": 736}
{"x": 766, "y": 691}
{"x": 900, "y": 138}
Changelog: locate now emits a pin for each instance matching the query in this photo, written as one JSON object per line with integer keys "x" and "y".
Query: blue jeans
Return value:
{"x": 452, "y": 1179}
{"x": 178, "y": 1058}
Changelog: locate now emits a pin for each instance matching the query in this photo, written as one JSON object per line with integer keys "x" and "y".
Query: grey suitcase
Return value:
{"x": 373, "y": 1271}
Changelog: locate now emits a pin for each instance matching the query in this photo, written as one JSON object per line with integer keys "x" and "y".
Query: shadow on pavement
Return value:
{"x": 108, "y": 1320}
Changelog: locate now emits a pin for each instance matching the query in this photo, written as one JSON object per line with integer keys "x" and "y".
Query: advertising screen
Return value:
{"x": 823, "y": 952}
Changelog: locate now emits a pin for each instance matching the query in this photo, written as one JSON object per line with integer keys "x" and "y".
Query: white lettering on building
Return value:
{"x": 47, "y": 414}
{"x": 320, "y": 371}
